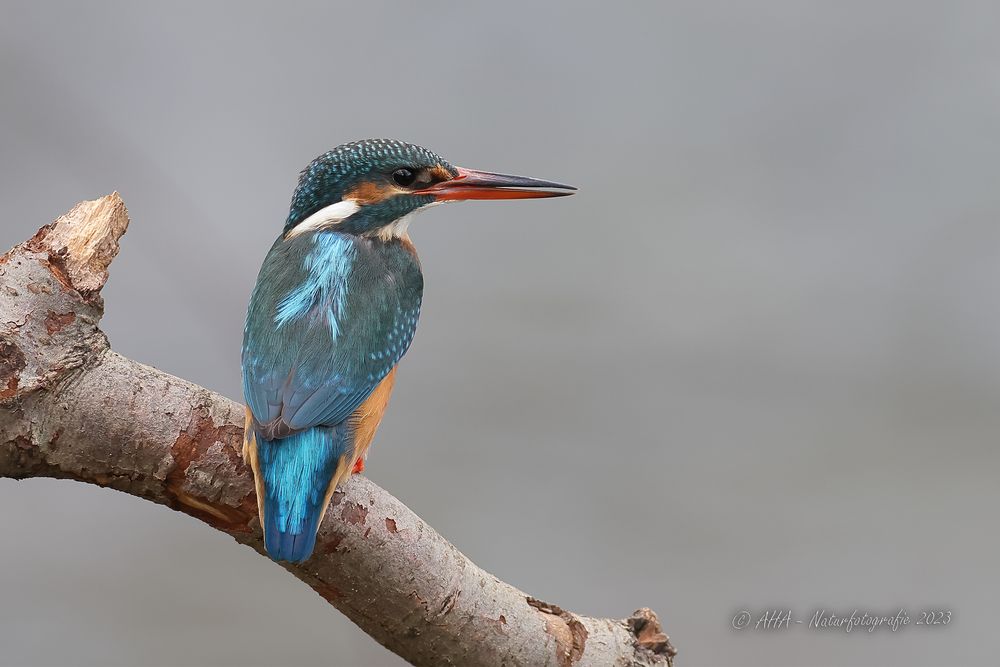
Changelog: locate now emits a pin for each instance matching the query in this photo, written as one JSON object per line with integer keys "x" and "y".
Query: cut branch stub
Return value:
{"x": 49, "y": 318}
{"x": 86, "y": 239}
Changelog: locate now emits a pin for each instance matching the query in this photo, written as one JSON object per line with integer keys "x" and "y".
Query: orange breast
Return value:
{"x": 368, "y": 416}
{"x": 364, "y": 421}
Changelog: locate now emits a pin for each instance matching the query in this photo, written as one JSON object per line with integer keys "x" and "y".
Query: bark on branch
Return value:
{"x": 72, "y": 408}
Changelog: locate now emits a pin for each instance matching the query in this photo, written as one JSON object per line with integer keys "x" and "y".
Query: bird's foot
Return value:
{"x": 359, "y": 466}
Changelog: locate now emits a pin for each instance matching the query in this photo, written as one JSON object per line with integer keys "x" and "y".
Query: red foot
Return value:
{"x": 359, "y": 466}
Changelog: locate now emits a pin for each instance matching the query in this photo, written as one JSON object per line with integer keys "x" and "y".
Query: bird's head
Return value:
{"x": 371, "y": 186}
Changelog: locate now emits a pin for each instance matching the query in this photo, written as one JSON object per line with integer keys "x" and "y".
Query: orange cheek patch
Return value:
{"x": 439, "y": 173}
{"x": 369, "y": 193}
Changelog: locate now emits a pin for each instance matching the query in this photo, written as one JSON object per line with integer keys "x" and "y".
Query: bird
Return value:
{"x": 333, "y": 311}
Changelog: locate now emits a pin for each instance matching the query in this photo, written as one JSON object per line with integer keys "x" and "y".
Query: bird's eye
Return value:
{"x": 403, "y": 177}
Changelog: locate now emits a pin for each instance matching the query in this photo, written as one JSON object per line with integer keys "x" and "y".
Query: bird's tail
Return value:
{"x": 295, "y": 478}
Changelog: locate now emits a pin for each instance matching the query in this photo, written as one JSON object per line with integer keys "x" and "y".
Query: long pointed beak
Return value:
{"x": 472, "y": 184}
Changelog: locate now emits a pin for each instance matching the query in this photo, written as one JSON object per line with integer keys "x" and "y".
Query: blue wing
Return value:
{"x": 330, "y": 316}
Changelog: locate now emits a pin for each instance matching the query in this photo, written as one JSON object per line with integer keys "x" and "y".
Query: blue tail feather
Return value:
{"x": 297, "y": 471}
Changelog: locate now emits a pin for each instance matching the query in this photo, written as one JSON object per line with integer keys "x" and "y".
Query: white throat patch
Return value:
{"x": 326, "y": 217}
{"x": 397, "y": 228}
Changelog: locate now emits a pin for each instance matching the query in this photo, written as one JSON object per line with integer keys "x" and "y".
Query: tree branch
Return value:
{"x": 72, "y": 408}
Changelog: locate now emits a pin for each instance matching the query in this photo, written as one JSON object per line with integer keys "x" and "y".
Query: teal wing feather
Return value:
{"x": 330, "y": 316}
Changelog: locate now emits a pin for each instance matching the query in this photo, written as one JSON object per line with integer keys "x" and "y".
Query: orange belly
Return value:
{"x": 368, "y": 416}
{"x": 364, "y": 421}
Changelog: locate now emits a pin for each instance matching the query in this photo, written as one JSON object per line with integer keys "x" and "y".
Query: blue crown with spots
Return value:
{"x": 335, "y": 172}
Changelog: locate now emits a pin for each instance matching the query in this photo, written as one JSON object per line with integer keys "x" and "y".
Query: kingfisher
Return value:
{"x": 333, "y": 311}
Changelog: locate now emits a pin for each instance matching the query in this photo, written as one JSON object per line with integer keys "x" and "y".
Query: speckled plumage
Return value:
{"x": 337, "y": 309}
{"x": 331, "y": 175}
{"x": 332, "y": 313}
{"x": 334, "y": 309}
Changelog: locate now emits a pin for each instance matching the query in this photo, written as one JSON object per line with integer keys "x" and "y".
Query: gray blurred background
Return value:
{"x": 754, "y": 362}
